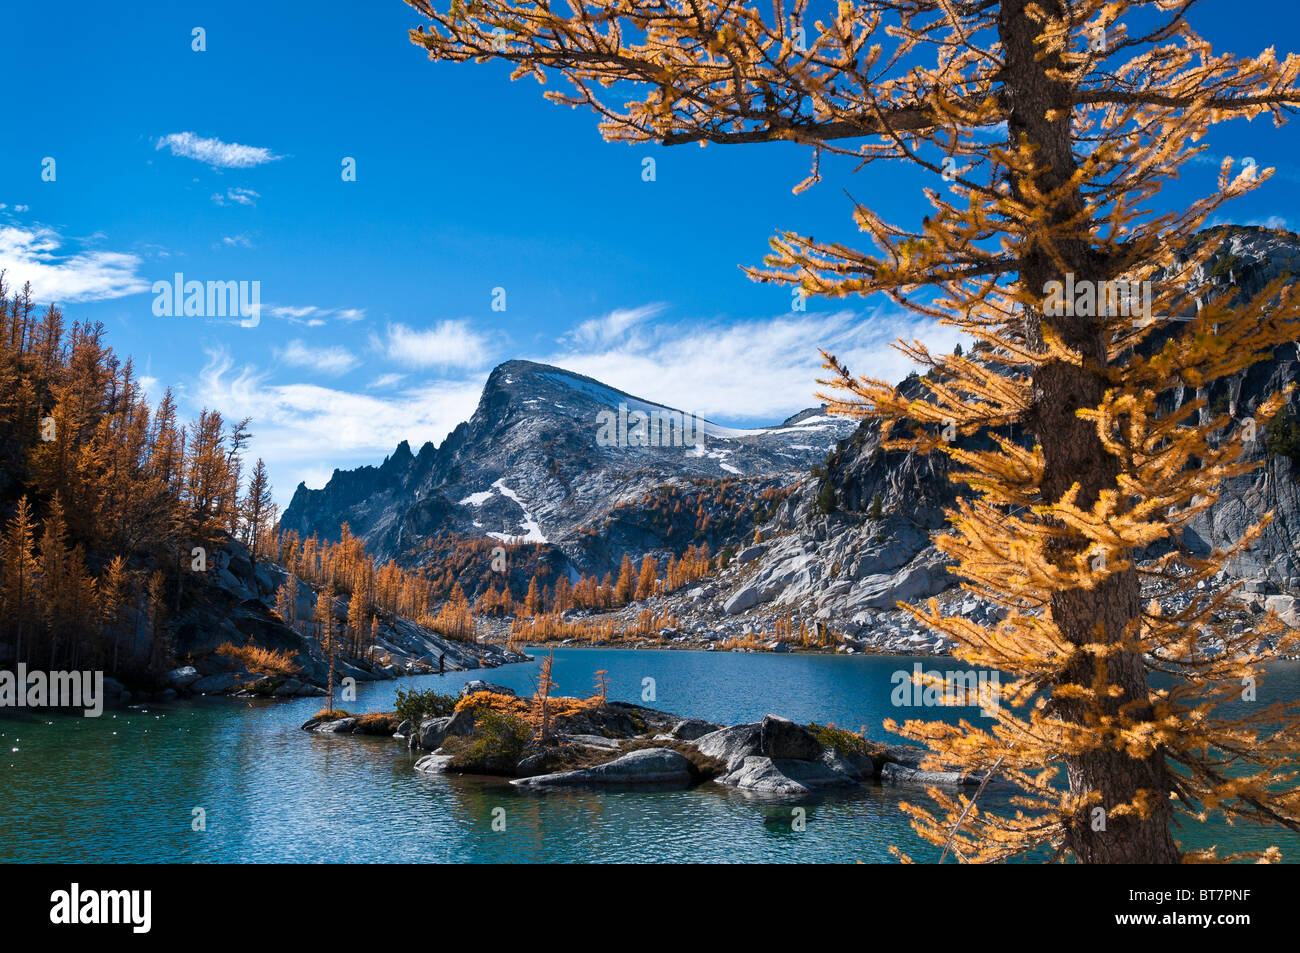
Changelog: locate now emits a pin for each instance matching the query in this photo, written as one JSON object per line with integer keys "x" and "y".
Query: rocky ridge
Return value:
{"x": 533, "y": 465}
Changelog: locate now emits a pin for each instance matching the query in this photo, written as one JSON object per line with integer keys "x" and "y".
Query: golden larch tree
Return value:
{"x": 625, "y": 588}
{"x": 649, "y": 575}
{"x": 1050, "y": 127}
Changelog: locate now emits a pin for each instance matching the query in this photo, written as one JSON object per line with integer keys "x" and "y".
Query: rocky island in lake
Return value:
{"x": 560, "y": 743}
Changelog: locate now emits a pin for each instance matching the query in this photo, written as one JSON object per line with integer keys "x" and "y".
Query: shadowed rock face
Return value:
{"x": 847, "y": 547}
{"x": 233, "y": 604}
{"x": 648, "y": 766}
{"x": 785, "y": 776}
{"x": 780, "y": 738}
{"x": 531, "y": 463}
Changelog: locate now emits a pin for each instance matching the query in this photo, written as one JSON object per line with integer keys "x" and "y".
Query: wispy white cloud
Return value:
{"x": 225, "y": 155}
{"x": 1272, "y": 221}
{"x": 237, "y": 195}
{"x": 611, "y": 327}
{"x": 237, "y": 241}
{"x": 755, "y": 371}
{"x": 448, "y": 344}
{"x": 290, "y": 313}
{"x": 384, "y": 381}
{"x": 295, "y": 424}
{"x": 328, "y": 360}
{"x": 314, "y": 317}
{"x": 37, "y": 255}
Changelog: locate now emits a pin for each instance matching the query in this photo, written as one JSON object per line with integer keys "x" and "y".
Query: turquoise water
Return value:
{"x": 123, "y": 788}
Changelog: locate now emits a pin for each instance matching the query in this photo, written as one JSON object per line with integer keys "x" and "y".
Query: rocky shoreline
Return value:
{"x": 607, "y": 744}
{"x": 234, "y": 608}
{"x": 705, "y": 619}
{"x": 235, "y": 681}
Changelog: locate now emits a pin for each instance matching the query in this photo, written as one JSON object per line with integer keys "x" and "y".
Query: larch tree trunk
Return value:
{"x": 1073, "y": 453}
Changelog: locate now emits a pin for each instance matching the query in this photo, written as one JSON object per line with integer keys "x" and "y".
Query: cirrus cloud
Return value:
{"x": 328, "y": 360}
{"x": 294, "y": 423}
{"x": 37, "y": 255}
{"x": 749, "y": 372}
{"x": 446, "y": 344}
{"x": 314, "y": 317}
{"x": 225, "y": 155}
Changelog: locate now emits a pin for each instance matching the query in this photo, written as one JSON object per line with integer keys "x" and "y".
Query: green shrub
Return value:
{"x": 497, "y": 744}
{"x": 847, "y": 742}
{"x": 1283, "y": 436}
{"x": 1221, "y": 404}
{"x": 415, "y": 706}
{"x": 1225, "y": 265}
{"x": 826, "y": 498}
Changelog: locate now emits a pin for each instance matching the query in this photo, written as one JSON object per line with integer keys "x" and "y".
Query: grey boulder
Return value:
{"x": 217, "y": 684}
{"x": 784, "y": 776}
{"x": 595, "y": 742}
{"x": 433, "y": 764}
{"x": 692, "y": 729}
{"x": 1286, "y": 608}
{"x": 340, "y": 727}
{"x": 262, "y": 685}
{"x": 656, "y": 766}
{"x": 430, "y": 734}
{"x": 731, "y": 745}
{"x": 781, "y": 738}
{"x": 478, "y": 685}
{"x": 894, "y": 773}
{"x": 856, "y": 766}
{"x": 290, "y": 687}
{"x": 434, "y": 731}
{"x": 182, "y": 677}
{"x": 744, "y": 599}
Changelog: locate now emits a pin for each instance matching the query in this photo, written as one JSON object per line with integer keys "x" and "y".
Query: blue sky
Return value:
{"x": 377, "y": 323}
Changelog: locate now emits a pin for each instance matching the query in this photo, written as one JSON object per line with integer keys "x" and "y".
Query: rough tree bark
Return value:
{"x": 1074, "y": 454}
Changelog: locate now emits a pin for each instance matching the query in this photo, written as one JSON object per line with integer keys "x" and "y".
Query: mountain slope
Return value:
{"x": 839, "y": 548}
{"x": 832, "y": 554}
{"x": 556, "y": 458}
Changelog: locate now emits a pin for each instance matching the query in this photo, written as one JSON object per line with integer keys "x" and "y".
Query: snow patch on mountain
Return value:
{"x": 532, "y": 529}
{"x": 613, "y": 398}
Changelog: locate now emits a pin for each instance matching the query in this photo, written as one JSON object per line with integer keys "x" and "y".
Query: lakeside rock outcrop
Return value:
{"x": 647, "y": 766}
{"x": 597, "y": 744}
{"x": 234, "y": 608}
